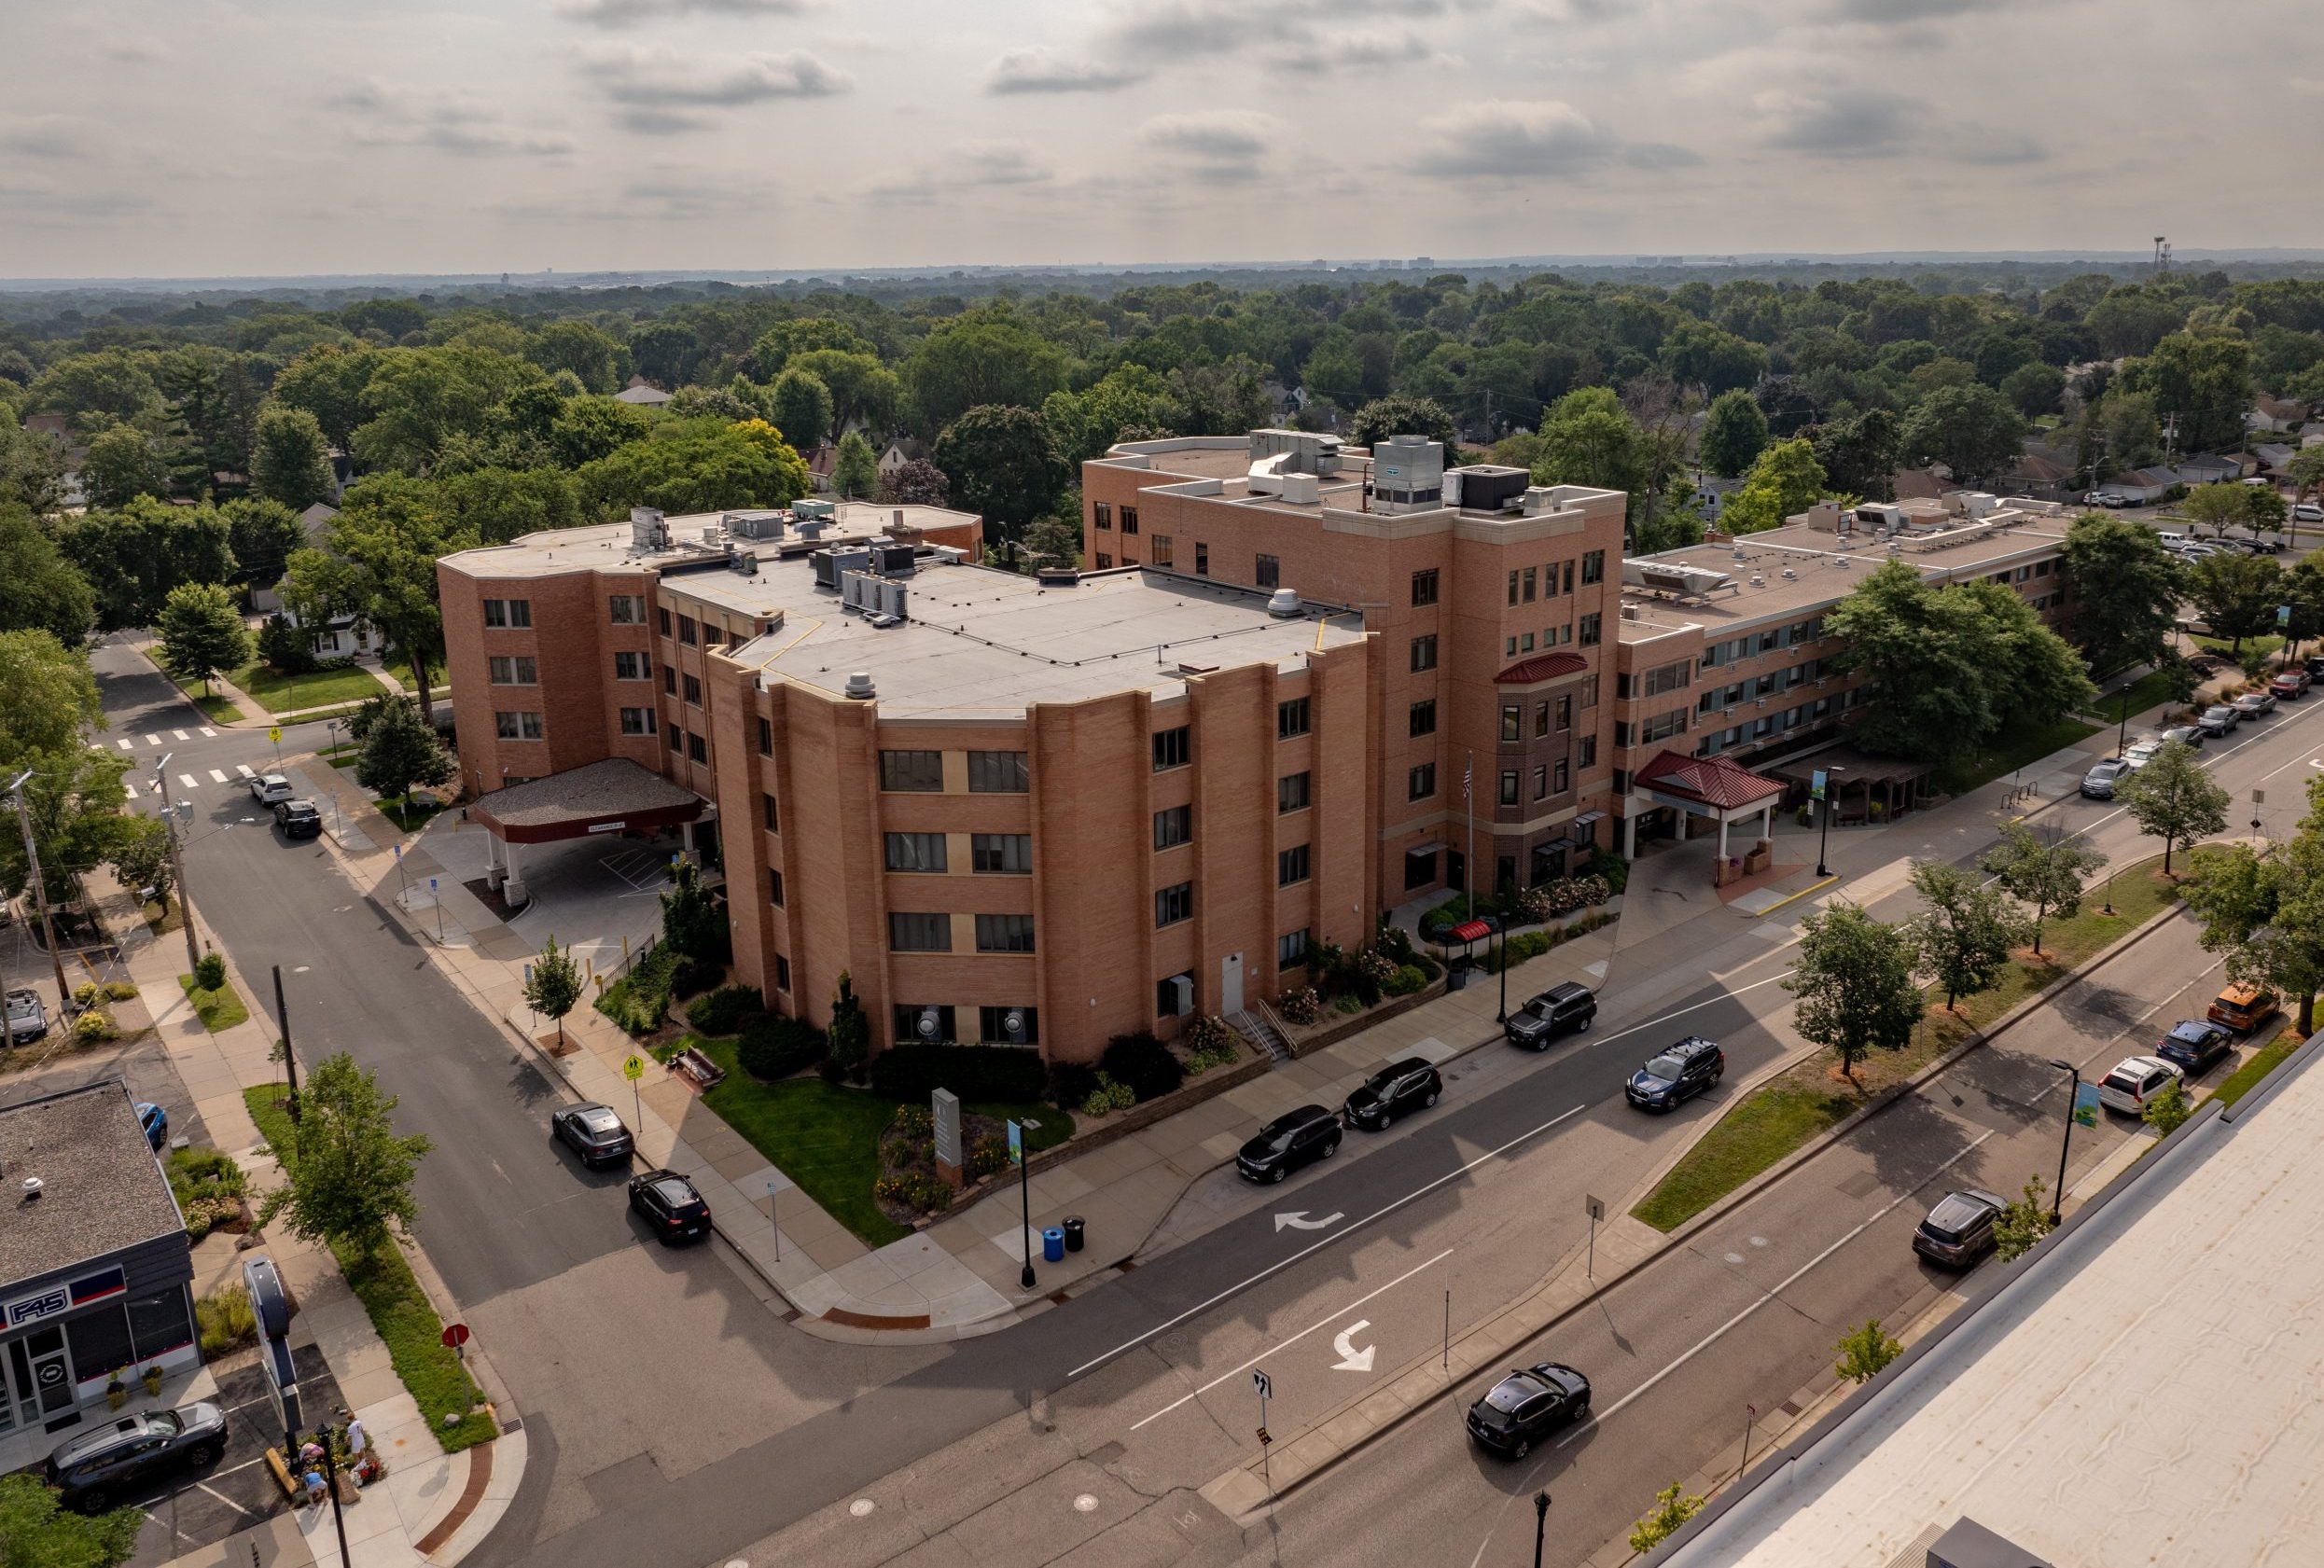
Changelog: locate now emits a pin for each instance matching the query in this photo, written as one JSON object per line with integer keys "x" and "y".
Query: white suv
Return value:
{"x": 268, "y": 788}
{"x": 2135, "y": 1081}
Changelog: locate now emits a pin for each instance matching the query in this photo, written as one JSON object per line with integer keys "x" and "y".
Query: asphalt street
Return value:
{"x": 661, "y": 1396}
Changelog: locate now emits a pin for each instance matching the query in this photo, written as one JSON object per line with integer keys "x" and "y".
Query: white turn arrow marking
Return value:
{"x": 1297, "y": 1219}
{"x": 1351, "y": 1359}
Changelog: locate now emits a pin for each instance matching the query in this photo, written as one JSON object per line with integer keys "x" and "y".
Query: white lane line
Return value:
{"x": 178, "y": 735}
{"x": 217, "y": 776}
{"x": 208, "y": 733}
{"x": 206, "y": 1486}
{"x": 1790, "y": 1280}
{"x": 153, "y": 740}
{"x": 243, "y": 768}
{"x": 188, "y": 781}
{"x": 1339, "y": 1235}
{"x": 1295, "y": 1338}
{"x": 123, "y": 742}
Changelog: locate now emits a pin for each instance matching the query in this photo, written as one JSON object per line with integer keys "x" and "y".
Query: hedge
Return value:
{"x": 911, "y": 1072}
{"x": 773, "y": 1048}
{"x": 723, "y": 1010}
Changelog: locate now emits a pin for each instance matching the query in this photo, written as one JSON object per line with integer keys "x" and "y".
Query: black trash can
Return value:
{"x": 1073, "y": 1232}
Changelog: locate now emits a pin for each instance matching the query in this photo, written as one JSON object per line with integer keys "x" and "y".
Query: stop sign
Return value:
{"x": 456, "y": 1334}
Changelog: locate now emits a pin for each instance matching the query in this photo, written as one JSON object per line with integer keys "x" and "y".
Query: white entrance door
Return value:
{"x": 1231, "y": 985}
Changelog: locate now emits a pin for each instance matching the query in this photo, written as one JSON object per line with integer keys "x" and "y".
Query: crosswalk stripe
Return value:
{"x": 243, "y": 768}
{"x": 130, "y": 789}
{"x": 188, "y": 781}
{"x": 178, "y": 735}
{"x": 208, "y": 733}
{"x": 123, "y": 742}
{"x": 217, "y": 776}
{"x": 153, "y": 740}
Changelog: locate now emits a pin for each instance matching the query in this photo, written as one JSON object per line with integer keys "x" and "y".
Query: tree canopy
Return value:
{"x": 2126, "y": 591}
{"x": 1854, "y": 984}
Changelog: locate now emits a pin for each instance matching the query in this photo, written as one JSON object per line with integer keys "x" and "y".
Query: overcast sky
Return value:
{"x": 189, "y": 137}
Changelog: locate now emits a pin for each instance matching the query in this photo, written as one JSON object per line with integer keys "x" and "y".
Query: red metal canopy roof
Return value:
{"x": 1714, "y": 781}
{"x": 1471, "y": 931}
{"x": 1541, "y": 667}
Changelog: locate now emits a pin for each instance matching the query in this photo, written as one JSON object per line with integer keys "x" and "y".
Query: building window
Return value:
{"x": 1292, "y": 949}
{"x": 1004, "y": 933}
{"x": 1528, "y": 598}
{"x": 923, "y": 1023}
{"x": 1423, "y": 653}
{"x": 1173, "y": 903}
{"x": 696, "y": 748}
{"x": 1420, "y": 868}
{"x": 766, "y": 736}
{"x": 670, "y": 679}
{"x": 1103, "y": 561}
{"x": 1420, "y": 783}
{"x": 508, "y": 613}
{"x": 1422, "y": 719}
{"x": 1509, "y": 786}
{"x": 1009, "y": 1026}
{"x": 1104, "y": 515}
{"x": 774, "y": 887}
{"x": 1425, "y": 586}
{"x": 1586, "y": 752}
{"x": 1564, "y": 712}
{"x": 1202, "y": 559}
{"x": 768, "y": 817}
{"x": 1588, "y": 636}
{"x": 517, "y": 726}
{"x": 1173, "y": 827}
{"x": 919, "y": 932}
{"x": 1513, "y": 721}
{"x": 662, "y": 617}
{"x": 1290, "y": 794}
{"x": 519, "y": 670}
{"x": 677, "y": 738}
{"x": 782, "y": 973}
{"x": 627, "y": 609}
{"x": 637, "y": 721}
{"x": 1592, "y": 566}
{"x": 1160, "y": 546}
{"x": 1589, "y": 692}
{"x": 690, "y": 632}
{"x": 1512, "y": 585}
{"x": 998, "y": 773}
{"x": 1129, "y": 519}
{"x": 1558, "y": 777}
{"x": 1173, "y": 748}
{"x": 692, "y": 684}
{"x": 915, "y": 852}
{"x": 1267, "y": 573}
{"x": 1665, "y": 678}
{"x": 1662, "y": 727}
{"x": 1291, "y": 719}
{"x": 632, "y": 666}
{"x": 1291, "y": 866}
{"x": 1001, "y": 854}
{"x": 911, "y": 773}
{"x": 1540, "y": 784}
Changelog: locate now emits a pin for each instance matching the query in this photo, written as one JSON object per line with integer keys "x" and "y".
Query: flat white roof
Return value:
{"x": 2144, "y": 1391}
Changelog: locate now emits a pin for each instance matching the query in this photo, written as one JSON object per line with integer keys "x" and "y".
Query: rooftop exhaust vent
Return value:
{"x": 32, "y": 1187}
{"x": 859, "y": 685}
{"x": 1283, "y": 603}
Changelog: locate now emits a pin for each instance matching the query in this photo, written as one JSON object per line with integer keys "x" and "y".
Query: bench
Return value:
{"x": 697, "y": 1069}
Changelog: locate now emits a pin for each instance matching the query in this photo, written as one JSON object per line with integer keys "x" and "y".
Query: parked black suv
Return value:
{"x": 96, "y": 1468}
{"x": 671, "y": 1205}
{"x": 1412, "y": 1084}
{"x": 1677, "y": 1075}
{"x": 1565, "y": 1009}
{"x": 1959, "y": 1229}
{"x": 593, "y": 1132}
{"x": 1527, "y": 1407}
{"x": 299, "y": 819}
{"x": 1287, "y": 1143}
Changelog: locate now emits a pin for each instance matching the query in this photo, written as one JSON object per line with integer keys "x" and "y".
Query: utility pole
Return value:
{"x": 40, "y": 888}
{"x": 290, "y": 1062}
{"x": 177, "y": 861}
{"x": 2170, "y": 439}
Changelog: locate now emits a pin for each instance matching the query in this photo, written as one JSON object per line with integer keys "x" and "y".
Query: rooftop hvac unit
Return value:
{"x": 859, "y": 688}
{"x": 814, "y": 511}
{"x": 812, "y": 527}
{"x": 1303, "y": 489}
{"x": 892, "y": 597}
{"x": 756, "y": 524}
{"x": 894, "y": 561}
{"x": 832, "y": 565}
{"x": 647, "y": 529}
{"x": 745, "y": 561}
{"x": 1486, "y": 487}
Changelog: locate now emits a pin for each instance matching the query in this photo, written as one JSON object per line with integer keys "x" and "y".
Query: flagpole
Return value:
{"x": 1469, "y": 867}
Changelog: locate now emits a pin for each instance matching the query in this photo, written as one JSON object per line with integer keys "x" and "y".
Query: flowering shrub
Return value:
{"x": 1302, "y": 1007}
{"x": 1405, "y": 979}
{"x": 925, "y": 1193}
{"x": 914, "y": 1121}
{"x": 1108, "y": 1096}
{"x": 990, "y": 1154}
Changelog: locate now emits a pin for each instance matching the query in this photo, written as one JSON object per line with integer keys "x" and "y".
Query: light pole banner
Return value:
{"x": 2086, "y": 1105}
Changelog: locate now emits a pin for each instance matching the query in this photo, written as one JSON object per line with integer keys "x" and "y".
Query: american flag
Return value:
{"x": 1466, "y": 769}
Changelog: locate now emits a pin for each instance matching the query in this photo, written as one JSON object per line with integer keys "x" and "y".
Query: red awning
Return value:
{"x": 1471, "y": 931}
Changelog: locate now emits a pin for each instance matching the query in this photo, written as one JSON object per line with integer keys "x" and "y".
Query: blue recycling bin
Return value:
{"x": 1052, "y": 1245}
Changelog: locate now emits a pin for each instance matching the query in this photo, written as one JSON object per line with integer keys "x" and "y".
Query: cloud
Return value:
{"x": 1856, "y": 124}
{"x": 1185, "y": 29}
{"x": 631, "y": 13}
{"x": 1500, "y": 139}
{"x": 1218, "y": 134}
{"x": 1330, "y": 53}
{"x": 44, "y": 136}
{"x": 1900, "y": 13}
{"x": 656, "y": 88}
{"x": 1044, "y": 70}
{"x": 1659, "y": 155}
{"x": 443, "y": 120}
{"x": 977, "y": 165}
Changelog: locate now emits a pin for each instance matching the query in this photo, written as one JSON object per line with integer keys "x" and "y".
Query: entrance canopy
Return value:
{"x": 1708, "y": 785}
{"x": 602, "y": 798}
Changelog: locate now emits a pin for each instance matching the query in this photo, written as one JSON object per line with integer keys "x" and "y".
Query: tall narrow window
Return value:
{"x": 1173, "y": 827}
{"x": 1291, "y": 793}
{"x": 1291, "y": 866}
{"x": 1291, "y": 718}
{"x": 1425, "y": 586}
{"x": 1173, "y": 748}
{"x": 1268, "y": 572}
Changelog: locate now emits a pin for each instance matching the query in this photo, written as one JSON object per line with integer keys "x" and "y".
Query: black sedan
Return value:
{"x": 592, "y": 1131}
{"x": 2195, "y": 1046}
{"x": 1527, "y": 1406}
{"x": 1412, "y": 1084}
{"x": 1677, "y": 1075}
{"x": 299, "y": 819}
{"x": 668, "y": 1202}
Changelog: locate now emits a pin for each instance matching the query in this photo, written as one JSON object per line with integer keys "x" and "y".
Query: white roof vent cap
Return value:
{"x": 33, "y": 1186}
{"x": 859, "y": 685}
{"x": 1283, "y": 603}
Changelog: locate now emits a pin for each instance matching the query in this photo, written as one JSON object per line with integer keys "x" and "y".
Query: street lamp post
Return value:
{"x": 1540, "y": 1523}
{"x": 2057, "y": 1198}
{"x": 1025, "y": 1194}
{"x": 1503, "y": 1015}
{"x": 2121, "y": 732}
{"x": 1823, "y": 812}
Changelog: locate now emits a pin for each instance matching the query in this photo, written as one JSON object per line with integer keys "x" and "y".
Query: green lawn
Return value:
{"x": 218, "y": 1009}
{"x": 400, "y": 1310}
{"x": 2148, "y": 691}
{"x": 278, "y": 693}
{"x": 2257, "y": 1066}
{"x": 1803, "y": 1100}
{"x": 217, "y": 709}
{"x": 408, "y": 814}
{"x": 827, "y": 1139}
{"x": 2017, "y": 747}
{"x": 2269, "y": 644}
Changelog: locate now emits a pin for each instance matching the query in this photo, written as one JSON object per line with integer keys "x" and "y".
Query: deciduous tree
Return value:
{"x": 801, "y": 406}
{"x": 854, "y": 468}
{"x": 2237, "y": 595}
{"x": 37, "y": 1531}
{"x": 2048, "y": 874}
{"x": 2266, "y": 912}
{"x": 1672, "y": 1507}
{"x": 1972, "y": 430}
{"x": 1785, "y": 481}
{"x": 1002, "y": 464}
{"x": 122, "y": 464}
{"x": 387, "y": 541}
{"x": 2172, "y": 798}
{"x": 38, "y": 587}
{"x": 291, "y": 461}
{"x": 348, "y": 1171}
{"x": 1733, "y": 432}
{"x": 984, "y": 357}
{"x": 552, "y": 984}
{"x": 695, "y": 465}
{"x": 1398, "y": 415}
{"x": 2125, "y": 590}
{"x": 916, "y": 482}
{"x": 2022, "y": 1222}
{"x": 1854, "y": 985}
{"x": 201, "y": 633}
{"x": 399, "y": 750}
{"x": 1966, "y": 932}
{"x": 1866, "y": 1352}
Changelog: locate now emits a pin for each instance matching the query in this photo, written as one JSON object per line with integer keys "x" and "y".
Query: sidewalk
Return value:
{"x": 434, "y": 1508}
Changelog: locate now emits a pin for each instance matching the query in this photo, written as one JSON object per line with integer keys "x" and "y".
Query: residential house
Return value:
{"x": 640, "y": 395}
{"x": 2275, "y": 414}
{"x": 821, "y": 461}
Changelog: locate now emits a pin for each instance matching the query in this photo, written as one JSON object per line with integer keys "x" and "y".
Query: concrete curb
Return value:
{"x": 1493, "y": 1338}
